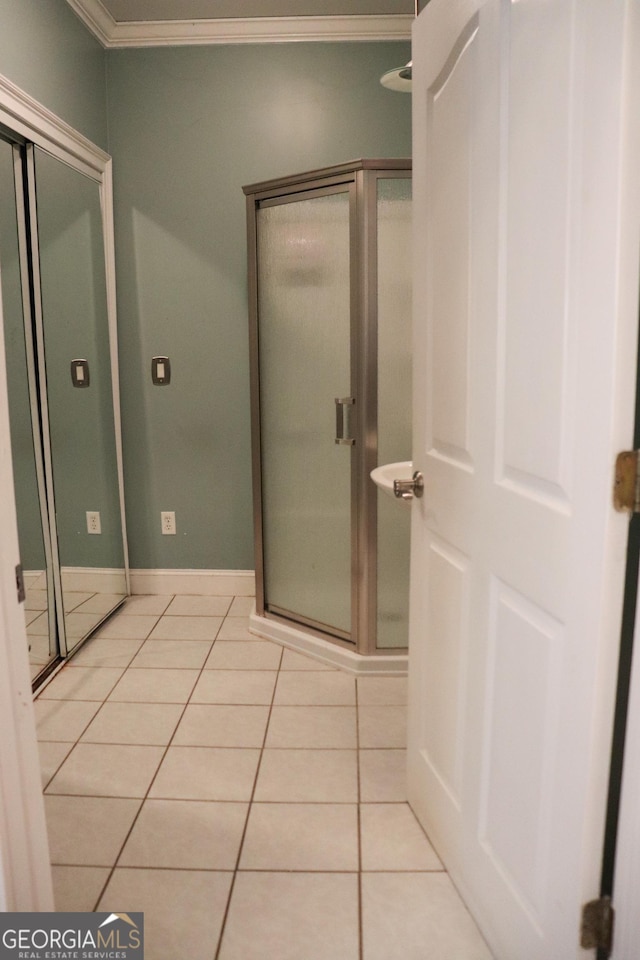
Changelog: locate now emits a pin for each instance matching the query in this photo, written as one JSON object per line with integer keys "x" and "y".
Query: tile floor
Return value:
{"x": 248, "y": 799}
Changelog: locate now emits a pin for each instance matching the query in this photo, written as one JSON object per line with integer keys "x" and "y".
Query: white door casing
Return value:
{"x": 25, "y": 873}
{"x": 526, "y": 221}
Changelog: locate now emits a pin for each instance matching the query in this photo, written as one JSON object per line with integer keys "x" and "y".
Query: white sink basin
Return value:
{"x": 384, "y": 475}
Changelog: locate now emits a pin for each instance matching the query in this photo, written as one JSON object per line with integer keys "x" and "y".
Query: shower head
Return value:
{"x": 398, "y": 79}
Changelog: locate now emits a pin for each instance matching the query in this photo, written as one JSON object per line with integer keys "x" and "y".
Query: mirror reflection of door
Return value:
{"x": 63, "y": 433}
{"x": 80, "y": 414}
{"x": 26, "y": 455}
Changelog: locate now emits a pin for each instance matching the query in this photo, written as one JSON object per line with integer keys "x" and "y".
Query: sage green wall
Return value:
{"x": 188, "y": 126}
{"x": 49, "y": 53}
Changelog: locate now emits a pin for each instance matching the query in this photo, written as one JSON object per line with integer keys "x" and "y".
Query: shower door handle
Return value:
{"x": 343, "y": 404}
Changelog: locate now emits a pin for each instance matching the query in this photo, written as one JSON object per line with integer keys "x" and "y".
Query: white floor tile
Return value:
{"x": 382, "y": 726}
{"x": 244, "y": 655}
{"x": 72, "y": 600}
{"x": 134, "y": 723}
{"x": 51, "y": 756}
{"x": 312, "y": 727}
{"x": 235, "y": 628}
{"x": 36, "y": 599}
{"x": 295, "y": 896}
{"x": 313, "y": 776}
{"x": 100, "y": 603}
{"x": 417, "y": 916}
{"x": 206, "y": 773}
{"x": 122, "y": 626}
{"x": 194, "y": 835}
{"x": 88, "y": 830}
{"x": 300, "y": 916}
{"x": 63, "y": 719}
{"x": 183, "y": 909}
{"x": 186, "y": 628}
{"x": 176, "y": 654}
{"x": 82, "y": 683}
{"x": 39, "y": 627}
{"x": 142, "y": 605}
{"x": 235, "y": 686}
{"x": 311, "y": 689}
{"x": 222, "y": 725}
{"x": 392, "y": 839}
{"x": 79, "y": 625}
{"x": 384, "y": 691}
{"x": 199, "y": 606}
{"x": 151, "y": 685}
{"x": 305, "y": 836}
{"x": 383, "y": 776}
{"x": 242, "y": 606}
{"x": 106, "y": 652}
{"x": 76, "y": 889}
{"x": 107, "y": 770}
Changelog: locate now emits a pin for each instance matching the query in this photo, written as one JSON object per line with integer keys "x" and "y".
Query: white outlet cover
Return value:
{"x": 168, "y": 522}
{"x": 93, "y": 521}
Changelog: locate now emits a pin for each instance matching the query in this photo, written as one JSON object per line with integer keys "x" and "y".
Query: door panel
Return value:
{"x": 523, "y": 390}
{"x": 28, "y": 471}
{"x": 80, "y": 420}
{"x": 304, "y": 297}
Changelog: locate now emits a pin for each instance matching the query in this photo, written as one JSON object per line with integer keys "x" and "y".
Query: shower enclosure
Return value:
{"x": 330, "y": 336}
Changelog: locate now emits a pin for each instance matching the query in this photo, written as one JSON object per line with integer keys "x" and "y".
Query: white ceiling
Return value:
{"x": 125, "y": 23}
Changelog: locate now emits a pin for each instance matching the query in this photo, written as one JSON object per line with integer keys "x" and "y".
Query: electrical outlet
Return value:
{"x": 168, "y": 521}
{"x": 93, "y": 521}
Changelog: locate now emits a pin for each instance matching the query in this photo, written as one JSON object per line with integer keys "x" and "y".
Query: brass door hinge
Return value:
{"x": 20, "y": 584}
{"x": 596, "y": 929}
{"x": 626, "y": 489}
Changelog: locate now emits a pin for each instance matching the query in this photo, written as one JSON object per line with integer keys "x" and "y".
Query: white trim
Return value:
{"x": 106, "y": 202}
{"x": 158, "y": 33}
{"x": 208, "y": 583}
{"x": 380, "y": 665}
{"x": 96, "y": 17}
{"x": 92, "y": 579}
{"x": 29, "y": 119}
{"x": 25, "y": 874}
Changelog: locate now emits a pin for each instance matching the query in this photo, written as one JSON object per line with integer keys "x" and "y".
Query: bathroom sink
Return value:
{"x": 384, "y": 475}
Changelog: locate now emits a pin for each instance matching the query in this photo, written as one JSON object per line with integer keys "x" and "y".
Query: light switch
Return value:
{"x": 80, "y": 373}
{"x": 161, "y": 370}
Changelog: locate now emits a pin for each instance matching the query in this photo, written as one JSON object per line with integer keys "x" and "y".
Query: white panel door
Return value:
{"x": 525, "y": 307}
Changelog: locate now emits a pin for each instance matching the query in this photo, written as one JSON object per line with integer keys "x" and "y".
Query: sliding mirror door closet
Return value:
{"x": 59, "y": 333}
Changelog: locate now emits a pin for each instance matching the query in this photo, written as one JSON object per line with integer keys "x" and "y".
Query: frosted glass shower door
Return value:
{"x": 393, "y": 215}
{"x": 304, "y": 296}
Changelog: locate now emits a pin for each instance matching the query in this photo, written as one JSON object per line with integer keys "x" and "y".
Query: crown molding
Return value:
{"x": 158, "y": 33}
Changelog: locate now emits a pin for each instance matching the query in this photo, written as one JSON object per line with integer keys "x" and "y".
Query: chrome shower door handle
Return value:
{"x": 408, "y": 489}
{"x": 342, "y": 429}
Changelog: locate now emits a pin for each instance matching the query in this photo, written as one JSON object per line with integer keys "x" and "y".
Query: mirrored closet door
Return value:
{"x": 64, "y": 426}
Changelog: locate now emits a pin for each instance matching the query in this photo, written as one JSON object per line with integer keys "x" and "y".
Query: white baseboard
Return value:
{"x": 93, "y": 579}
{"x": 332, "y": 654}
{"x": 206, "y": 583}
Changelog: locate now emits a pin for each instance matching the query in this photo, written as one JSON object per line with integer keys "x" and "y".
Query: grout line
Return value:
{"x": 249, "y": 807}
{"x": 151, "y": 782}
